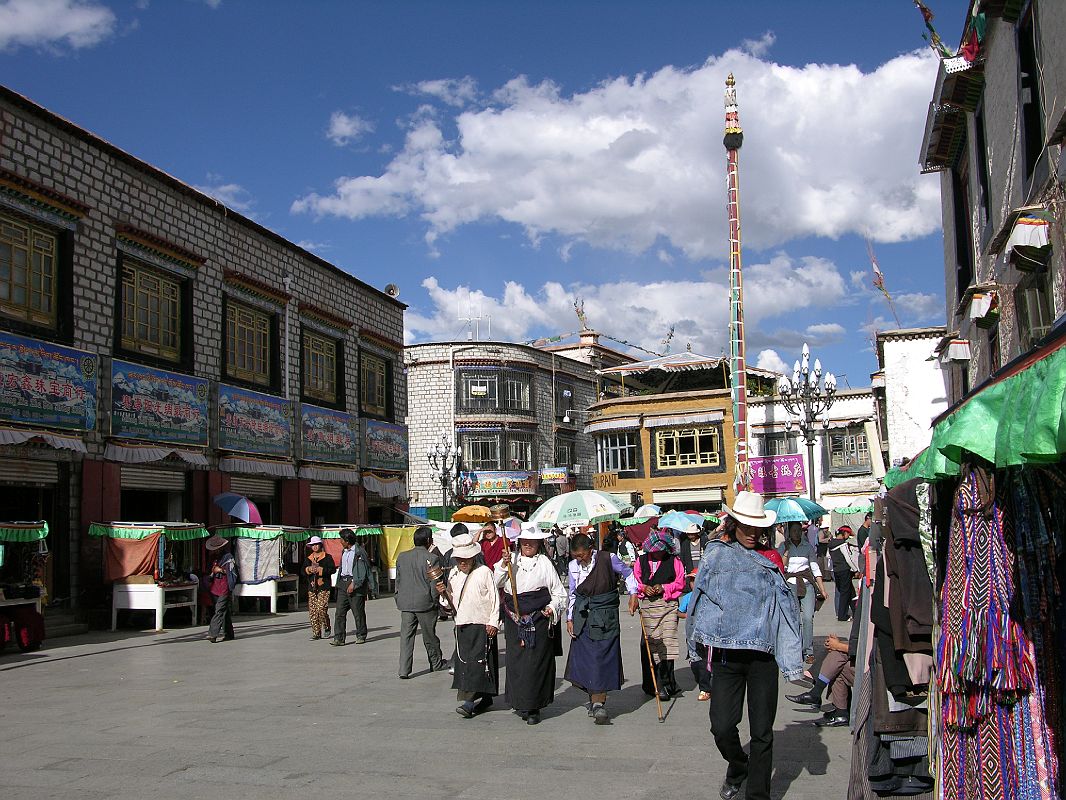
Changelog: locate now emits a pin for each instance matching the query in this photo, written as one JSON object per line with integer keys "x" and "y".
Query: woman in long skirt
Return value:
{"x": 472, "y": 596}
{"x": 661, "y": 580}
{"x": 532, "y": 625}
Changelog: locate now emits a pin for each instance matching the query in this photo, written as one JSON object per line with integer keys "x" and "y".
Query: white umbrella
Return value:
{"x": 584, "y": 507}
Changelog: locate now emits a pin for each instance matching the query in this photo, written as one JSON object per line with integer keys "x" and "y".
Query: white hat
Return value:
{"x": 532, "y": 532}
{"x": 748, "y": 508}
{"x": 314, "y": 540}
{"x": 464, "y": 546}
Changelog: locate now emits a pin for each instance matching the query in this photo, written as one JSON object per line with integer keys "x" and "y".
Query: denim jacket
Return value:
{"x": 741, "y": 602}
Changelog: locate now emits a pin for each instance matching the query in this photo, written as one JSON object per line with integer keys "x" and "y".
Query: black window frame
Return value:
{"x": 1031, "y": 127}
{"x": 497, "y": 405}
{"x": 965, "y": 257}
{"x": 692, "y": 469}
{"x": 62, "y": 332}
{"x": 185, "y": 360}
{"x": 564, "y": 404}
{"x": 339, "y": 401}
{"x": 390, "y": 388}
{"x": 274, "y": 386}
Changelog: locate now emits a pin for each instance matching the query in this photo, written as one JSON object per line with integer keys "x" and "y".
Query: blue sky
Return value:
{"x": 507, "y": 158}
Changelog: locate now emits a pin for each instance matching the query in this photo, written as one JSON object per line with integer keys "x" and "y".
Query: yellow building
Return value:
{"x": 669, "y": 439}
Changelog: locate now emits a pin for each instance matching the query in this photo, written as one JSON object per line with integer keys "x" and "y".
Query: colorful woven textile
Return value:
{"x": 662, "y": 541}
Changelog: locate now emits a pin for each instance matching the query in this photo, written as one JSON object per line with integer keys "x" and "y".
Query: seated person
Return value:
{"x": 837, "y": 673}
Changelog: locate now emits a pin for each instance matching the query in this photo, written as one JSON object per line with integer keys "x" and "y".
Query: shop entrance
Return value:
{"x": 152, "y": 495}
{"x": 327, "y": 504}
{"x": 261, "y": 491}
{"x": 21, "y": 562}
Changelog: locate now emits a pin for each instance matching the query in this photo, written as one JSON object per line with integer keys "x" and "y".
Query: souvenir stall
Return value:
{"x": 261, "y": 571}
{"x": 151, "y": 566}
{"x": 983, "y": 515}
{"x": 372, "y": 537}
{"x": 23, "y": 557}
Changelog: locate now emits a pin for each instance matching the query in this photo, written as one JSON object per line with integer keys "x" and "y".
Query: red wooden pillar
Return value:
{"x": 296, "y": 502}
{"x": 101, "y": 501}
{"x": 355, "y": 502}
{"x": 205, "y": 485}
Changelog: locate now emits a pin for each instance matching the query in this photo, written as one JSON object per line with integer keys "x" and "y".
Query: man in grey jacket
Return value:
{"x": 417, "y": 601}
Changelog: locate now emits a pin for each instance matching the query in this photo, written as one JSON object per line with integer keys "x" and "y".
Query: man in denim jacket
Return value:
{"x": 743, "y": 610}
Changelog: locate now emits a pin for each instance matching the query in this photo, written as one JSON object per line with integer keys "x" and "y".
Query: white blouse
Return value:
{"x": 531, "y": 574}
{"x": 480, "y": 603}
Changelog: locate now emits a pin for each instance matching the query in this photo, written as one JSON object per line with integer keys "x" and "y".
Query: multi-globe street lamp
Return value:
{"x": 806, "y": 398}
{"x": 445, "y": 462}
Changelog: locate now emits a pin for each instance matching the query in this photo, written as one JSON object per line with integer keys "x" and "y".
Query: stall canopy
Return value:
{"x": 262, "y": 532}
{"x": 173, "y": 531}
{"x": 23, "y": 531}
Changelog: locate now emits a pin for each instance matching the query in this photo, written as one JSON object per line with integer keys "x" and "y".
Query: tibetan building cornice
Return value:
{"x": 380, "y": 340}
{"x": 40, "y": 196}
{"x": 256, "y": 287}
{"x": 158, "y": 247}
{"x": 324, "y": 317}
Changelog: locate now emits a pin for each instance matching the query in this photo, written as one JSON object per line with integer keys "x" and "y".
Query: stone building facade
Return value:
{"x": 210, "y": 354}
{"x": 995, "y": 131}
{"x": 512, "y": 410}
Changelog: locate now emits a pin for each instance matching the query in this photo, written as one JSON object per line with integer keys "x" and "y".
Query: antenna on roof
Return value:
{"x": 475, "y": 333}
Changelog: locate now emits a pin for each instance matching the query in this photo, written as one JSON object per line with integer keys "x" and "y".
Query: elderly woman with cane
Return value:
{"x": 744, "y": 611}
{"x": 530, "y": 623}
{"x": 660, "y": 578}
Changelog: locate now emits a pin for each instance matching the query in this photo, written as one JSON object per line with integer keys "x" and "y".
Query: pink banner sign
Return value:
{"x": 778, "y": 474}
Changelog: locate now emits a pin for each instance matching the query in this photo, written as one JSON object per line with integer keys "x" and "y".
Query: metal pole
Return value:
{"x": 810, "y": 466}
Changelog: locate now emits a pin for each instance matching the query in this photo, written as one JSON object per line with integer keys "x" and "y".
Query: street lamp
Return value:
{"x": 806, "y": 398}
{"x": 445, "y": 462}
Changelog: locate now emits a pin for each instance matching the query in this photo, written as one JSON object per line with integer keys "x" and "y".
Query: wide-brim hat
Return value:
{"x": 314, "y": 540}
{"x": 465, "y": 547}
{"x": 531, "y": 532}
{"x": 749, "y": 509}
{"x": 216, "y": 542}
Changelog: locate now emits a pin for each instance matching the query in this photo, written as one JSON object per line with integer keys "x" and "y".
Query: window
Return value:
{"x": 320, "y": 367}
{"x": 519, "y": 452}
{"x": 964, "y": 257}
{"x": 849, "y": 452}
{"x": 565, "y": 452}
{"x": 1033, "y": 305}
{"x": 484, "y": 390}
{"x": 687, "y": 447}
{"x": 517, "y": 394}
{"x": 374, "y": 385}
{"x": 564, "y": 398}
{"x": 981, "y": 147}
{"x": 27, "y": 272}
{"x": 778, "y": 444}
{"x": 617, "y": 452}
{"x": 248, "y": 335}
{"x": 1032, "y": 112}
{"x": 151, "y": 311}
{"x": 492, "y": 450}
{"x": 481, "y": 452}
{"x": 479, "y": 392}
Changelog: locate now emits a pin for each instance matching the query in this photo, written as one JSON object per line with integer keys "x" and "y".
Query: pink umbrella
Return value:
{"x": 239, "y": 506}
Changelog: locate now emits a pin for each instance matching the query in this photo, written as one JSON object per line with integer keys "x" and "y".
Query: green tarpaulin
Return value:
{"x": 334, "y": 531}
{"x": 174, "y": 531}
{"x": 860, "y": 509}
{"x": 262, "y": 532}
{"x": 23, "y": 531}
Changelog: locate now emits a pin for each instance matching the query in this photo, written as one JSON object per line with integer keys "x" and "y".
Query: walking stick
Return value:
{"x": 510, "y": 578}
{"x": 651, "y": 666}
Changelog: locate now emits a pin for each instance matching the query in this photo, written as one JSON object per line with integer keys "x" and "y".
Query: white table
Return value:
{"x": 285, "y": 586}
{"x": 151, "y": 597}
{"x": 35, "y": 602}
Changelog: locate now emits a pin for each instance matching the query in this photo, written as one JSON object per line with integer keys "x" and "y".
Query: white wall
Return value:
{"x": 915, "y": 393}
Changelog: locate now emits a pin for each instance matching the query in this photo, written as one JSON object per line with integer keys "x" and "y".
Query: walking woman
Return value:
{"x": 319, "y": 567}
{"x": 533, "y": 639}
{"x": 660, "y": 578}
{"x": 805, "y": 577}
{"x": 222, "y": 578}
{"x": 743, "y": 609}
{"x": 472, "y": 596}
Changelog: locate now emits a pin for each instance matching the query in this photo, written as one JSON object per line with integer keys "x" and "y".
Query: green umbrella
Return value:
{"x": 584, "y": 507}
{"x": 795, "y": 509}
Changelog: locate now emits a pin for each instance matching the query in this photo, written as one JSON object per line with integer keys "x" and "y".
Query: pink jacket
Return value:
{"x": 672, "y": 590}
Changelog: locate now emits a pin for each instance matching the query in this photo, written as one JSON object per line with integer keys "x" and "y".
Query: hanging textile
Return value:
{"x": 127, "y": 557}
{"x": 258, "y": 560}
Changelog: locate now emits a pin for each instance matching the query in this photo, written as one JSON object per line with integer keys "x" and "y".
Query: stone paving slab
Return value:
{"x": 273, "y": 715}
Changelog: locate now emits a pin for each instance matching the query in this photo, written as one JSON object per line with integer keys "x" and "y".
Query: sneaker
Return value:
{"x": 833, "y": 719}
{"x": 360, "y": 640}
{"x": 600, "y": 715}
{"x": 729, "y": 790}
{"x": 466, "y": 710}
{"x": 336, "y": 642}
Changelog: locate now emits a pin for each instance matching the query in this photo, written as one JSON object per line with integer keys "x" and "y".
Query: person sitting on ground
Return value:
{"x": 836, "y": 673}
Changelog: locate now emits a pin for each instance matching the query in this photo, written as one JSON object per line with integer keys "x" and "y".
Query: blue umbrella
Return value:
{"x": 678, "y": 521}
{"x": 789, "y": 509}
{"x": 239, "y": 506}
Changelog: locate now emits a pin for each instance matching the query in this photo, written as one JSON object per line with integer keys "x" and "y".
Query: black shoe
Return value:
{"x": 441, "y": 667}
{"x": 664, "y": 694}
{"x": 729, "y": 790}
{"x": 482, "y": 705}
{"x": 316, "y": 636}
{"x": 404, "y": 677}
{"x": 833, "y": 719}
{"x": 600, "y": 715}
{"x": 522, "y": 715}
{"x": 327, "y": 632}
{"x": 805, "y": 699}
{"x": 533, "y": 718}
{"x": 466, "y": 710}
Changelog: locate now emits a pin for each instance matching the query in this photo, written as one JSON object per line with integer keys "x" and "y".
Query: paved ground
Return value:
{"x": 274, "y": 715}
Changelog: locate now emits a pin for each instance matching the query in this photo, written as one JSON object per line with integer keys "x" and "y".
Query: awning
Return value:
{"x": 683, "y": 419}
{"x": 143, "y": 454}
{"x": 334, "y": 531}
{"x": 257, "y": 466}
{"x": 716, "y": 495}
{"x": 385, "y": 487}
{"x": 329, "y": 475}
{"x": 1005, "y": 236}
{"x": 956, "y": 350}
{"x": 929, "y": 464}
{"x": 56, "y": 440}
{"x": 174, "y": 531}
{"x": 612, "y": 424}
{"x": 676, "y": 362}
{"x": 291, "y": 534}
{"x": 23, "y": 531}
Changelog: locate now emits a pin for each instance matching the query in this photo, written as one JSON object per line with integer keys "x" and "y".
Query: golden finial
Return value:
{"x": 729, "y": 81}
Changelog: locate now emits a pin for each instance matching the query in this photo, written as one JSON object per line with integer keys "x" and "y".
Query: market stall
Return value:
{"x": 372, "y": 538}
{"x": 151, "y": 566}
{"x": 261, "y": 570}
{"x": 23, "y": 556}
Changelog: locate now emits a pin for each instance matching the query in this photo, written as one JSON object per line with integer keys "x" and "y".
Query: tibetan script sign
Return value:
{"x": 385, "y": 445}
{"x": 497, "y": 484}
{"x": 47, "y": 385}
{"x": 778, "y": 474}
{"x": 328, "y": 436}
{"x": 252, "y": 422}
{"x": 158, "y": 406}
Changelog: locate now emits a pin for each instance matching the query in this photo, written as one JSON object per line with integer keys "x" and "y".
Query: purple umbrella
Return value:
{"x": 239, "y": 506}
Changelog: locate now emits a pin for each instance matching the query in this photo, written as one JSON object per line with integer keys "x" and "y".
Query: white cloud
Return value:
{"x": 345, "y": 128}
{"x": 456, "y": 92}
{"x": 665, "y": 257}
{"x": 920, "y": 307}
{"x": 640, "y": 313}
{"x": 759, "y": 47}
{"x": 829, "y": 150}
{"x": 232, "y": 195}
{"x": 314, "y": 247}
{"x": 213, "y": 3}
{"x": 769, "y": 359}
{"x": 51, "y": 23}
{"x": 826, "y": 331}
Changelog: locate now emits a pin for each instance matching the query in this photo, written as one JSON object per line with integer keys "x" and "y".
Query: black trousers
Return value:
{"x": 699, "y": 669}
{"x": 356, "y": 601}
{"x": 222, "y": 618}
{"x": 845, "y": 593}
{"x": 734, "y": 674}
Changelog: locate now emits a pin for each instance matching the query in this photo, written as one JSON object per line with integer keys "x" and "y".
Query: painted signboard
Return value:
{"x": 158, "y": 406}
{"x": 385, "y": 445}
{"x": 554, "y": 475}
{"x": 47, "y": 385}
{"x": 328, "y": 436}
{"x": 252, "y": 422}
{"x": 778, "y": 474}
{"x": 497, "y": 484}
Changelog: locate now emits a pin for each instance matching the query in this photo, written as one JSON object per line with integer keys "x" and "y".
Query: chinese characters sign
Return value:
{"x": 158, "y": 406}
{"x": 554, "y": 475}
{"x": 328, "y": 436}
{"x": 497, "y": 484}
{"x": 45, "y": 384}
{"x": 251, "y": 422}
{"x": 384, "y": 445}
{"x": 778, "y": 474}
